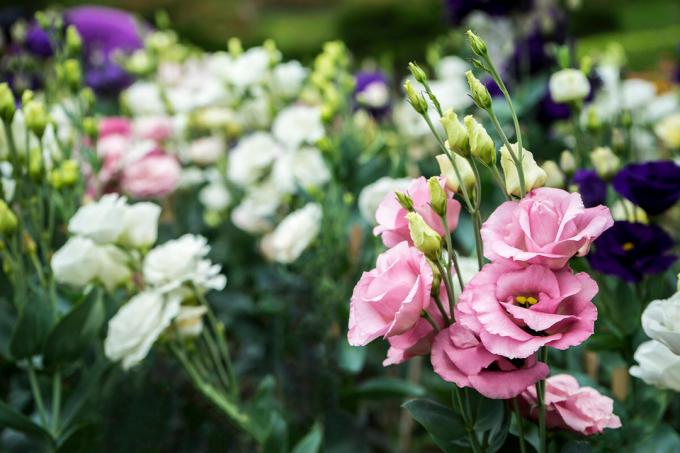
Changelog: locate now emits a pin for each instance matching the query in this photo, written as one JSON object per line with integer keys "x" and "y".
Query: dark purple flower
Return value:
{"x": 592, "y": 188}
{"x": 372, "y": 92}
{"x": 654, "y": 186}
{"x": 458, "y": 10}
{"x": 38, "y": 42}
{"x": 632, "y": 250}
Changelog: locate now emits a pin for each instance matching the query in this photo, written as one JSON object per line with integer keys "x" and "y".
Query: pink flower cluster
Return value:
{"x": 527, "y": 298}
{"x": 133, "y": 158}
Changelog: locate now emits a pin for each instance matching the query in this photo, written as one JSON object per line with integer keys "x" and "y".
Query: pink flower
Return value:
{"x": 459, "y": 357}
{"x": 547, "y": 227}
{"x": 391, "y": 216}
{"x": 516, "y": 310}
{"x": 568, "y": 406}
{"x": 156, "y": 128}
{"x": 388, "y": 300}
{"x": 154, "y": 175}
{"x": 114, "y": 125}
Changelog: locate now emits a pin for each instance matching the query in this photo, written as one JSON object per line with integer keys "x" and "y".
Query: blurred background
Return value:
{"x": 393, "y": 31}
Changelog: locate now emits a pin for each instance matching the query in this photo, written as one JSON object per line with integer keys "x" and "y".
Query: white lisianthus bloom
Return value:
{"x": 293, "y": 235}
{"x": 661, "y": 322}
{"x": 215, "y": 117}
{"x": 668, "y": 130}
{"x": 191, "y": 177}
{"x": 636, "y": 94}
{"x": 206, "y": 150}
{"x": 113, "y": 267}
{"x": 625, "y": 210}
{"x": 255, "y": 112}
{"x": 568, "y": 85}
{"x": 101, "y": 221}
{"x": 451, "y": 67}
{"x": 251, "y": 157}
{"x": 661, "y": 107}
{"x": 250, "y": 68}
{"x": 254, "y": 214}
{"x": 375, "y": 95}
{"x": 657, "y": 366}
{"x": 189, "y": 321}
{"x": 144, "y": 98}
{"x": 137, "y": 325}
{"x": 298, "y": 124}
{"x": 287, "y": 78}
{"x": 307, "y": 168}
{"x": 140, "y": 225}
{"x": 605, "y": 162}
{"x": 215, "y": 196}
{"x": 534, "y": 176}
{"x": 77, "y": 262}
{"x": 452, "y": 94}
{"x": 371, "y": 195}
{"x": 174, "y": 263}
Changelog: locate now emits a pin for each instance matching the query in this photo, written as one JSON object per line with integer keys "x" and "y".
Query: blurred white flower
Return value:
{"x": 101, "y": 221}
{"x": 144, "y": 98}
{"x": 140, "y": 225}
{"x": 251, "y": 157}
{"x": 657, "y": 366}
{"x": 568, "y": 85}
{"x": 293, "y": 235}
{"x": 249, "y": 68}
{"x": 636, "y": 94}
{"x": 661, "y": 322}
{"x": 304, "y": 168}
{"x": 451, "y": 94}
{"x": 668, "y": 130}
{"x": 77, "y": 262}
{"x": 206, "y": 150}
{"x": 215, "y": 196}
{"x": 287, "y": 78}
{"x": 113, "y": 266}
{"x": 189, "y": 321}
{"x": 375, "y": 95}
{"x": 451, "y": 67}
{"x": 297, "y": 125}
{"x": 137, "y": 325}
{"x": 371, "y": 195}
{"x": 254, "y": 214}
{"x": 191, "y": 176}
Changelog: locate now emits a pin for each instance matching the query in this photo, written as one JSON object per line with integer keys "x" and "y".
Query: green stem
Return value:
{"x": 515, "y": 158}
{"x": 56, "y": 401}
{"x": 447, "y": 281}
{"x": 469, "y": 428}
{"x": 540, "y": 395}
{"x": 578, "y": 136}
{"x": 499, "y": 180}
{"x": 520, "y": 424}
{"x": 428, "y": 318}
{"x": 216, "y": 360}
{"x": 37, "y": 396}
{"x": 477, "y": 219}
{"x": 440, "y": 306}
{"x": 452, "y": 257}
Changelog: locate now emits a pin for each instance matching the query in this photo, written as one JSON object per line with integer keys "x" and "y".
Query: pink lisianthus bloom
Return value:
{"x": 391, "y": 216}
{"x": 459, "y": 357}
{"x": 516, "y": 310}
{"x": 569, "y": 406}
{"x": 114, "y": 125}
{"x": 154, "y": 175}
{"x": 156, "y": 128}
{"x": 389, "y": 299}
{"x": 548, "y": 226}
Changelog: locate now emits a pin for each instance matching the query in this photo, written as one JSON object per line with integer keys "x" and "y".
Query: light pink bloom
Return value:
{"x": 156, "y": 128}
{"x": 516, "y": 310}
{"x": 112, "y": 149}
{"x": 569, "y": 406}
{"x": 388, "y": 300}
{"x": 114, "y": 125}
{"x": 391, "y": 216}
{"x": 459, "y": 357}
{"x": 154, "y": 175}
{"x": 547, "y": 227}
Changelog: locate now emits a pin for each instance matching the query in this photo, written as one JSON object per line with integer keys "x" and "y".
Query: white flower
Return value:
{"x": 668, "y": 130}
{"x": 625, "y": 210}
{"x": 287, "y": 78}
{"x": 410, "y": 123}
{"x": 206, "y": 150}
{"x": 451, "y": 67}
{"x": 534, "y": 176}
{"x": 662, "y": 106}
{"x": 452, "y": 94}
{"x": 555, "y": 176}
{"x": 215, "y": 117}
{"x": 8, "y": 184}
{"x": 255, "y": 112}
{"x": 374, "y": 95}
{"x": 661, "y": 322}
{"x": 112, "y": 268}
{"x": 144, "y": 98}
{"x": 605, "y": 162}
{"x": 77, "y": 262}
{"x": 251, "y": 157}
{"x": 568, "y": 85}
{"x": 137, "y": 325}
{"x": 293, "y": 235}
{"x": 215, "y": 196}
{"x": 254, "y": 213}
{"x": 298, "y": 124}
{"x": 371, "y": 195}
{"x": 469, "y": 267}
{"x": 179, "y": 261}
{"x": 189, "y": 321}
{"x": 140, "y": 225}
{"x": 191, "y": 176}
{"x": 636, "y": 94}
{"x": 657, "y": 366}
{"x": 304, "y": 167}
{"x": 101, "y": 221}
{"x": 250, "y": 68}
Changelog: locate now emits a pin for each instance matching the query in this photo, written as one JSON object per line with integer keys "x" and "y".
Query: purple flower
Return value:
{"x": 632, "y": 250}
{"x": 372, "y": 92}
{"x": 654, "y": 186}
{"x": 38, "y": 42}
{"x": 458, "y": 10}
{"x": 592, "y": 188}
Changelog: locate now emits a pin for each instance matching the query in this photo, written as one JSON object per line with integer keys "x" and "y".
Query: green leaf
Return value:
{"x": 605, "y": 341}
{"x": 444, "y": 425}
{"x": 311, "y": 443}
{"x": 277, "y": 440}
{"x": 74, "y": 333}
{"x": 663, "y": 440}
{"x": 351, "y": 359}
{"x": 388, "y": 388}
{"x": 625, "y": 309}
{"x": 32, "y": 328}
{"x": 11, "y": 418}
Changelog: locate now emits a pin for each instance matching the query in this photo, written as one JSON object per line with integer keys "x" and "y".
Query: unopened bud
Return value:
{"x": 567, "y": 162}
{"x": 235, "y": 47}
{"x": 26, "y": 97}
{"x": 593, "y": 120}
{"x": 36, "y": 117}
{"x": 416, "y": 100}
{"x": 7, "y": 103}
{"x": 35, "y": 164}
{"x": 456, "y": 133}
{"x": 424, "y": 237}
{"x": 555, "y": 176}
{"x": 534, "y": 176}
{"x": 626, "y": 119}
{"x": 438, "y": 198}
{"x": 90, "y": 126}
{"x": 477, "y": 44}
{"x": 29, "y": 244}
{"x": 71, "y": 73}
{"x": 70, "y": 172}
{"x": 481, "y": 145}
{"x": 480, "y": 95}
{"x": 606, "y": 163}
{"x": 8, "y": 220}
{"x": 74, "y": 42}
{"x": 404, "y": 200}
{"x": 418, "y": 73}
{"x": 465, "y": 171}
{"x": 87, "y": 97}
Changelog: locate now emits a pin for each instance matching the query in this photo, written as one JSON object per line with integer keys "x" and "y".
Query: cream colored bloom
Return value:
{"x": 668, "y": 130}
{"x": 534, "y": 176}
{"x": 555, "y": 176}
{"x": 568, "y": 85}
{"x": 606, "y": 163}
{"x": 449, "y": 173}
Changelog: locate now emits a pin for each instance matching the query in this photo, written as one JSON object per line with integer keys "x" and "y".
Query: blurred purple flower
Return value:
{"x": 37, "y": 41}
{"x": 632, "y": 250}
{"x": 458, "y": 10}
{"x": 372, "y": 92}
{"x": 592, "y": 188}
{"x": 654, "y": 186}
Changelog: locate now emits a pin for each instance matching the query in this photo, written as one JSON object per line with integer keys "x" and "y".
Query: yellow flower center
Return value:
{"x": 526, "y": 300}
{"x": 628, "y": 246}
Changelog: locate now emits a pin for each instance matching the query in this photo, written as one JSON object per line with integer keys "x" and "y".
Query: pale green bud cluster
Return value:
{"x": 567, "y": 162}
{"x": 477, "y": 44}
{"x": 36, "y": 117}
{"x": 417, "y": 101}
{"x": 8, "y": 220}
{"x": 605, "y": 162}
{"x": 482, "y": 146}
{"x": 456, "y": 133}
{"x": 74, "y": 42}
{"x": 7, "y": 103}
{"x": 438, "y": 198}
{"x": 424, "y": 237}
{"x": 480, "y": 94}
{"x": 66, "y": 175}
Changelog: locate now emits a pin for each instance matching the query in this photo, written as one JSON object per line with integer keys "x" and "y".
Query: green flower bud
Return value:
{"x": 35, "y": 164}
{"x": 555, "y": 176}
{"x": 404, "y": 200}
{"x": 90, "y": 126}
{"x": 626, "y": 119}
{"x": 424, "y": 237}
{"x": 593, "y": 120}
{"x": 534, "y": 176}
{"x": 480, "y": 95}
{"x": 477, "y": 44}
{"x": 418, "y": 73}
{"x": 70, "y": 172}
{"x": 72, "y": 73}
{"x": 416, "y": 100}
{"x": 606, "y": 163}
{"x": 8, "y": 220}
{"x": 456, "y": 133}
{"x": 36, "y": 117}
{"x": 481, "y": 143}
{"x": 88, "y": 98}
{"x": 567, "y": 162}
{"x": 274, "y": 53}
{"x": 449, "y": 173}
{"x": 235, "y": 47}
{"x": 438, "y": 199}
{"x": 7, "y": 103}
{"x": 26, "y": 97}
{"x": 74, "y": 42}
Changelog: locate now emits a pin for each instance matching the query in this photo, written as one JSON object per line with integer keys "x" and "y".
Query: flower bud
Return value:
{"x": 438, "y": 199}
{"x": 481, "y": 144}
{"x": 567, "y": 162}
{"x": 87, "y": 97}
{"x": 26, "y": 97}
{"x": 534, "y": 176}
{"x": 235, "y": 47}
{"x": 74, "y": 42}
{"x": 606, "y": 163}
{"x": 35, "y": 164}
{"x": 626, "y": 119}
{"x": 477, "y": 44}
{"x": 480, "y": 95}
{"x": 449, "y": 173}
{"x": 593, "y": 120}
{"x": 568, "y": 85}
{"x": 71, "y": 73}
{"x": 456, "y": 133}
{"x": 555, "y": 176}
{"x": 7, "y": 103}
{"x": 625, "y": 210}
{"x": 418, "y": 73}
{"x": 70, "y": 172}
{"x": 8, "y": 220}
{"x": 416, "y": 100}
{"x": 90, "y": 126}
{"x": 36, "y": 117}
{"x": 424, "y": 237}
{"x": 404, "y": 200}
